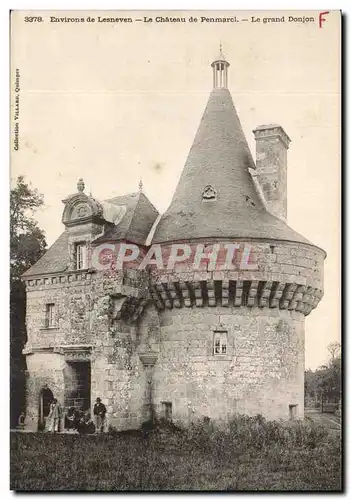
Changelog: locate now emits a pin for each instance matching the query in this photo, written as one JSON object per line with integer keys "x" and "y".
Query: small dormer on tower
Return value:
{"x": 220, "y": 71}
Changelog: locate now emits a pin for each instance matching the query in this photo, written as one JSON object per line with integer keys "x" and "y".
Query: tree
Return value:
{"x": 27, "y": 245}
{"x": 325, "y": 382}
{"x": 27, "y": 240}
{"x": 334, "y": 349}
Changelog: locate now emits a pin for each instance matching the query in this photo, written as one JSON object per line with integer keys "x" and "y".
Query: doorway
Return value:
{"x": 46, "y": 397}
{"x": 77, "y": 376}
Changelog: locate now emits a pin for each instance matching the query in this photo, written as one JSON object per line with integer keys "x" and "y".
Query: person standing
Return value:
{"x": 54, "y": 417}
{"x": 99, "y": 415}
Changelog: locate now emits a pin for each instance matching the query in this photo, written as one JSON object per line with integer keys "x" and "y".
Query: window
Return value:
{"x": 81, "y": 255}
{"x": 293, "y": 412}
{"x": 220, "y": 343}
{"x": 50, "y": 316}
{"x": 167, "y": 411}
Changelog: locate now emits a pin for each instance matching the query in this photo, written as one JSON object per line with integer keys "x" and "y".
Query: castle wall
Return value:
{"x": 73, "y": 301}
{"x": 263, "y": 371}
{"x": 119, "y": 379}
{"x": 43, "y": 369}
{"x": 272, "y": 260}
{"x": 86, "y": 329}
{"x": 263, "y": 310}
{"x": 103, "y": 319}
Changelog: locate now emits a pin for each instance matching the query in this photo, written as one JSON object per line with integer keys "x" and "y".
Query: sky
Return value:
{"x": 116, "y": 102}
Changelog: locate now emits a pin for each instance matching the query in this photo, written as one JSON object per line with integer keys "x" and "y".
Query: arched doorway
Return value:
{"x": 46, "y": 397}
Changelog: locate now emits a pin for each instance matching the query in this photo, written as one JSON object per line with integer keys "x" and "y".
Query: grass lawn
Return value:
{"x": 254, "y": 456}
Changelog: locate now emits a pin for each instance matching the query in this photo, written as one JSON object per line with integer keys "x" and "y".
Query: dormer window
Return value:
{"x": 209, "y": 194}
{"x": 81, "y": 260}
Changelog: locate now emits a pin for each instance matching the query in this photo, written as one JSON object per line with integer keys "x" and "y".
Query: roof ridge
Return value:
{"x": 148, "y": 199}
{"x": 133, "y": 214}
{"x": 139, "y": 194}
{"x": 121, "y": 196}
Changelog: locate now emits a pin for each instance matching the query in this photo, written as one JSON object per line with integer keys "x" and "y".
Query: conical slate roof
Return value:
{"x": 219, "y": 160}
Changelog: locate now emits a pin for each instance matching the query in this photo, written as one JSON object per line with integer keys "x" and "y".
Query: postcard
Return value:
{"x": 175, "y": 250}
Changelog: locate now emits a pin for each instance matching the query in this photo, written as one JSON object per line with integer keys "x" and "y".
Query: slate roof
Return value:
{"x": 220, "y": 157}
{"x": 54, "y": 259}
{"x": 134, "y": 227}
{"x": 136, "y": 223}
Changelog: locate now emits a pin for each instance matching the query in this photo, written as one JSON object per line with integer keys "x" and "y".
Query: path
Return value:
{"x": 328, "y": 419}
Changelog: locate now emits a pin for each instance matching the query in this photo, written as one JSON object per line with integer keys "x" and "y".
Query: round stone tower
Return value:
{"x": 232, "y": 318}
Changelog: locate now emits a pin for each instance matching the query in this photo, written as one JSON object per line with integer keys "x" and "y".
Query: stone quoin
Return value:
{"x": 180, "y": 343}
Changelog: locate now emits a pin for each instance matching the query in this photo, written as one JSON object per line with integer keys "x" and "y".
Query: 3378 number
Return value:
{"x": 28, "y": 19}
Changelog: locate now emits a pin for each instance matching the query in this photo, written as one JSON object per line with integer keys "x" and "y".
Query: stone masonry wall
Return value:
{"x": 87, "y": 330}
{"x": 262, "y": 372}
{"x": 263, "y": 310}
{"x": 280, "y": 261}
{"x": 43, "y": 368}
{"x": 111, "y": 321}
{"x": 271, "y": 163}
{"x": 118, "y": 378}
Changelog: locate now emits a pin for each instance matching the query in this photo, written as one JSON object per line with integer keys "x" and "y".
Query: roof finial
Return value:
{"x": 80, "y": 185}
{"x": 141, "y": 185}
{"x": 221, "y": 55}
{"x": 220, "y": 70}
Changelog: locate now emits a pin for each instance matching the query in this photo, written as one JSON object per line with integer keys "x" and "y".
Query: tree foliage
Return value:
{"x": 326, "y": 380}
{"x": 27, "y": 245}
{"x": 334, "y": 349}
{"x": 27, "y": 240}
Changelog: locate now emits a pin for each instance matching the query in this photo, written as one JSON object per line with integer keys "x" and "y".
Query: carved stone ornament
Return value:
{"x": 148, "y": 358}
{"x": 78, "y": 207}
{"x": 80, "y": 185}
{"x": 82, "y": 210}
{"x": 209, "y": 194}
{"x": 74, "y": 352}
{"x": 220, "y": 328}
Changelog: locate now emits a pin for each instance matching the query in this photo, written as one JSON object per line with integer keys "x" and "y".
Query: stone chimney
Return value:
{"x": 272, "y": 144}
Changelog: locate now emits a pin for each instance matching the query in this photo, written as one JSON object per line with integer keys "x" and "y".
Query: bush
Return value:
{"x": 244, "y": 433}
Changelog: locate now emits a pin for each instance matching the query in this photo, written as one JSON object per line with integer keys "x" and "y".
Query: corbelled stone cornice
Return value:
{"x": 229, "y": 293}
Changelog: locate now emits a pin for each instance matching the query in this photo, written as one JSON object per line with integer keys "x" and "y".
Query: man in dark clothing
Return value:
{"x": 99, "y": 416}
